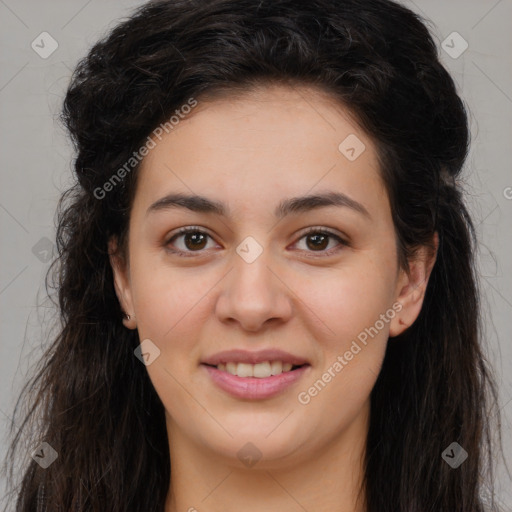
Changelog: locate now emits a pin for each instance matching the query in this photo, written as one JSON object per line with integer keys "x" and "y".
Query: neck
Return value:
{"x": 326, "y": 478}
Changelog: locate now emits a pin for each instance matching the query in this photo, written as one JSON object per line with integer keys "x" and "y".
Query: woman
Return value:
{"x": 266, "y": 270}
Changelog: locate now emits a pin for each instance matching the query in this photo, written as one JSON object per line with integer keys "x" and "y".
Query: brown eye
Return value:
{"x": 318, "y": 240}
{"x": 193, "y": 240}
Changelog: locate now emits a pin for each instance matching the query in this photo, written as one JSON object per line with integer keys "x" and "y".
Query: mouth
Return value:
{"x": 262, "y": 370}
{"x": 250, "y": 375}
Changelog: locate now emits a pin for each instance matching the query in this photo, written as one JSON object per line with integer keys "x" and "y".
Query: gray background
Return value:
{"x": 36, "y": 159}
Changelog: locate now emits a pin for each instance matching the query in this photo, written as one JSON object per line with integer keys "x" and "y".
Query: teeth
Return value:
{"x": 260, "y": 370}
{"x": 276, "y": 367}
{"x": 244, "y": 370}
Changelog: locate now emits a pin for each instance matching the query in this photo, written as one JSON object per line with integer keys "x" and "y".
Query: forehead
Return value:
{"x": 264, "y": 144}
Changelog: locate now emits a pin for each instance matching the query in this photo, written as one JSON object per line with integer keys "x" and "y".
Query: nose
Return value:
{"x": 254, "y": 295}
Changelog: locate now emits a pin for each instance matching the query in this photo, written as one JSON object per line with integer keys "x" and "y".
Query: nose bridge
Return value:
{"x": 251, "y": 270}
{"x": 251, "y": 278}
{"x": 252, "y": 293}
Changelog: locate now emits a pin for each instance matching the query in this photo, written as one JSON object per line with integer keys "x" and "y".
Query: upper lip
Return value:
{"x": 245, "y": 356}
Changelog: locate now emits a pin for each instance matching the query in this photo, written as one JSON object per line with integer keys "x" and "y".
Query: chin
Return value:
{"x": 265, "y": 448}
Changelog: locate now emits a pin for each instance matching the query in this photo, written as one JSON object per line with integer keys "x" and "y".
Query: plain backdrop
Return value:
{"x": 36, "y": 162}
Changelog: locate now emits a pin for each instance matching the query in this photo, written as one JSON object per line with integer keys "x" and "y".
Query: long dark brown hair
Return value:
{"x": 92, "y": 401}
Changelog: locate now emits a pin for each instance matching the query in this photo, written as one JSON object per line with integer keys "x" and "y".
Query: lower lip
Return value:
{"x": 253, "y": 388}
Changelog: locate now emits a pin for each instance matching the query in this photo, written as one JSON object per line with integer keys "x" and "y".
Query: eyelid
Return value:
{"x": 312, "y": 229}
{"x": 343, "y": 240}
{"x": 183, "y": 231}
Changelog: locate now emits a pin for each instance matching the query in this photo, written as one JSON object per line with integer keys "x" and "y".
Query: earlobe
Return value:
{"x": 121, "y": 283}
{"x": 412, "y": 285}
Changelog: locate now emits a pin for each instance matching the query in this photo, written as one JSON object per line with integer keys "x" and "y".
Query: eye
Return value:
{"x": 194, "y": 240}
{"x": 317, "y": 240}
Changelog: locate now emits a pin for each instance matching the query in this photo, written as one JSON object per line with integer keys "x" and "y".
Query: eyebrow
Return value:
{"x": 294, "y": 205}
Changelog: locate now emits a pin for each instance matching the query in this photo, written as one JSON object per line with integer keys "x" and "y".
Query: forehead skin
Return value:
{"x": 253, "y": 154}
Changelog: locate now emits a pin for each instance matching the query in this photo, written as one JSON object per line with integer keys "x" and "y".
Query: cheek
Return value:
{"x": 353, "y": 335}
{"x": 352, "y": 349}
{"x": 171, "y": 306}
{"x": 170, "y": 301}
{"x": 349, "y": 300}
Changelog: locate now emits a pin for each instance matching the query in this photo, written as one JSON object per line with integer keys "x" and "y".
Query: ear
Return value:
{"x": 412, "y": 285}
{"x": 120, "y": 270}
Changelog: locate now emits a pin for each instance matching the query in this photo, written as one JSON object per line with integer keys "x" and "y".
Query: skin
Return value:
{"x": 251, "y": 152}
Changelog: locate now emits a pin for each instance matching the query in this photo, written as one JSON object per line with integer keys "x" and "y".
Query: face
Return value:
{"x": 263, "y": 271}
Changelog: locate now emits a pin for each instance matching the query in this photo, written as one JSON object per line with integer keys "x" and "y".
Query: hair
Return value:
{"x": 96, "y": 404}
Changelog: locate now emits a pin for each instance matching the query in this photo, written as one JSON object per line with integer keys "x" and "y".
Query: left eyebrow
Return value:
{"x": 294, "y": 205}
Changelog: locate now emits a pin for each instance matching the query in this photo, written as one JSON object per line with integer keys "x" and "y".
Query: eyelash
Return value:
{"x": 315, "y": 230}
